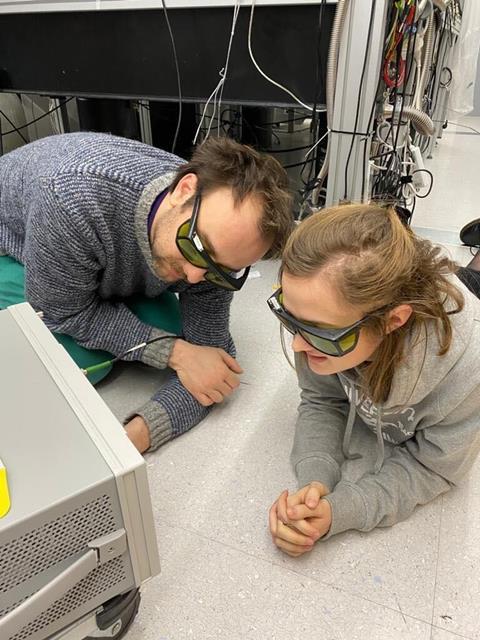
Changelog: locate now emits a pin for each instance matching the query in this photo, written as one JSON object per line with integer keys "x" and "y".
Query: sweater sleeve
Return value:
{"x": 63, "y": 260}
{"x": 205, "y": 316}
{"x": 418, "y": 471}
{"x": 322, "y": 417}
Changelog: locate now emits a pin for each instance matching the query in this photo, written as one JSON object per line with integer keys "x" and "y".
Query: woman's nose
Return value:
{"x": 299, "y": 344}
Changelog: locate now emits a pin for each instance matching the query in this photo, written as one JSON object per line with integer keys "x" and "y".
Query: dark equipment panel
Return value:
{"x": 128, "y": 54}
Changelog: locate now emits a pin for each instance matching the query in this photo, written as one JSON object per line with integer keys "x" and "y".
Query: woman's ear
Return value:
{"x": 398, "y": 316}
{"x": 185, "y": 189}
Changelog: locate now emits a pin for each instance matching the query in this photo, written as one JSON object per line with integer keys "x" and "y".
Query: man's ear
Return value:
{"x": 185, "y": 189}
{"x": 398, "y": 316}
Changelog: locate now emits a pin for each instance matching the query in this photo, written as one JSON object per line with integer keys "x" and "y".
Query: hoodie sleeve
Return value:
{"x": 322, "y": 417}
{"x": 418, "y": 471}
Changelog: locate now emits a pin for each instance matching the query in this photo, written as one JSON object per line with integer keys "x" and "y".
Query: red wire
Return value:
{"x": 397, "y": 79}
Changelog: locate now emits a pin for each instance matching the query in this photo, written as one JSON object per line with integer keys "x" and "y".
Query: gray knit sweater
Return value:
{"x": 73, "y": 210}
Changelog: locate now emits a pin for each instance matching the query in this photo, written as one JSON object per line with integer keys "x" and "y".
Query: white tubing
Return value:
{"x": 420, "y": 121}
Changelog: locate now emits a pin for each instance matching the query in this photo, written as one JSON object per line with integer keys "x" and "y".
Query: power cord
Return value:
{"x": 14, "y": 129}
{"x": 219, "y": 87}
{"x": 44, "y": 115}
{"x": 107, "y": 363}
{"x": 277, "y": 84}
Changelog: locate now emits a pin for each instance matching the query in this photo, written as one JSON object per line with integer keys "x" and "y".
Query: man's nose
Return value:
{"x": 194, "y": 274}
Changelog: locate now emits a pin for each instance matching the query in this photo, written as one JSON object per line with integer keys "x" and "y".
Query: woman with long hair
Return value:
{"x": 387, "y": 345}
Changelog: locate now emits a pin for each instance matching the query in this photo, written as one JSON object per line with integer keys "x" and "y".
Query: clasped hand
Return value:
{"x": 298, "y": 520}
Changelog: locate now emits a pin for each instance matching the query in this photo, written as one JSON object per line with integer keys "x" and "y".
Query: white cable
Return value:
{"x": 317, "y": 143}
{"x": 277, "y": 84}
{"x": 377, "y": 166}
{"x": 380, "y": 125}
{"x": 302, "y": 210}
{"x": 53, "y": 116}
{"x": 214, "y": 92}
{"x": 220, "y": 84}
{"x": 236, "y": 11}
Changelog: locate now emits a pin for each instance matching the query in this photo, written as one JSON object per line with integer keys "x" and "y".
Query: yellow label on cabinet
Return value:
{"x": 4, "y": 494}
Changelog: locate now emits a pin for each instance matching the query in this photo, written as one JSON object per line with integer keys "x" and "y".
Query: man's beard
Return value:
{"x": 164, "y": 267}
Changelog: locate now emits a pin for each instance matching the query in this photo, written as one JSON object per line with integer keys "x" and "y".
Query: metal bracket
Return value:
{"x": 109, "y": 546}
{"x": 98, "y": 552}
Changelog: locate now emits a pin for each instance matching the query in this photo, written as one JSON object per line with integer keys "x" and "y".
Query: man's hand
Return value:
{"x": 299, "y": 520}
{"x": 210, "y": 374}
{"x": 138, "y": 433}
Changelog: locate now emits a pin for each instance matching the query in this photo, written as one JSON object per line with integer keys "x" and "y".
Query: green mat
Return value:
{"x": 162, "y": 312}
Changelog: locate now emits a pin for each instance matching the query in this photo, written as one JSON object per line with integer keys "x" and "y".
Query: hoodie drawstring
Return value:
{"x": 348, "y": 433}
{"x": 380, "y": 444}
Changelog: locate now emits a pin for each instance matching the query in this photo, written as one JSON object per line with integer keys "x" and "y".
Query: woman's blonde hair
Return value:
{"x": 376, "y": 264}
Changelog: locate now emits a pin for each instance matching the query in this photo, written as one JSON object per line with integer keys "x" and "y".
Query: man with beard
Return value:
{"x": 99, "y": 233}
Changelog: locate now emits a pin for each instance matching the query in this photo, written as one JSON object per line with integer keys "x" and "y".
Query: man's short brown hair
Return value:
{"x": 222, "y": 162}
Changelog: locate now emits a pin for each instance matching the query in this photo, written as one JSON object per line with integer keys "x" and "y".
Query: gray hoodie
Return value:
{"x": 431, "y": 417}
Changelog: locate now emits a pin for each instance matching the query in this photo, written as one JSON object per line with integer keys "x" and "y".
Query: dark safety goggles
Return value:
{"x": 331, "y": 342}
{"x": 192, "y": 249}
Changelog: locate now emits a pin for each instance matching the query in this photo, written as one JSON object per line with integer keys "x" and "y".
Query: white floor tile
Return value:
{"x": 209, "y": 591}
{"x": 455, "y": 166}
{"x": 240, "y": 468}
{"x": 457, "y": 605}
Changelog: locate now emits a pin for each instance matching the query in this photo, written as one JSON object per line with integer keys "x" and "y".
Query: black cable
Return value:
{"x": 409, "y": 56}
{"x": 177, "y": 68}
{"x": 377, "y": 98}
{"x": 319, "y": 74}
{"x": 265, "y": 125}
{"x": 440, "y": 46}
{"x": 360, "y": 91}
{"x": 319, "y": 84}
{"x": 457, "y": 124}
{"x": 433, "y": 67}
{"x": 11, "y": 123}
{"x": 298, "y": 164}
{"x": 313, "y": 164}
{"x": 425, "y": 195}
{"x": 151, "y": 341}
{"x": 44, "y": 115}
{"x": 448, "y": 82}
{"x": 396, "y": 184}
{"x": 387, "y": 184}
{"x": 278, "y": 122}
{"x": 307, "y": 146}
{"x": 108, "y": 363}
{"x": 369, "y": 128}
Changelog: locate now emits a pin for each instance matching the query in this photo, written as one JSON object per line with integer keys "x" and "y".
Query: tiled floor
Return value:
{"x": 221, "y": 577}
